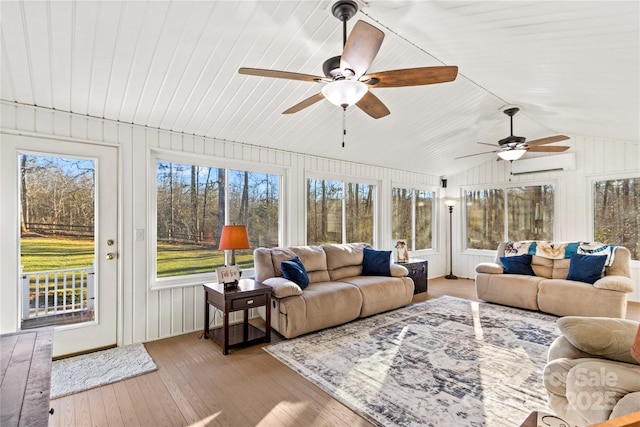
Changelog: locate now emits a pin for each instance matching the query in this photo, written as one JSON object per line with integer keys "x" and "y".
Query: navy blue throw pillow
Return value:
{"x": 376, "y": 263}
{"x": 586, "y": 268}
{"x": 294, "y": 270}
{"x": 520, "y": 264}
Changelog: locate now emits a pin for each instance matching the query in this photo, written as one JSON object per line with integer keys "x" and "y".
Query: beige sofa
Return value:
{"x": 337, "y": 292}
{"x": 550, "y": 292}
{"x": 591, "y": 375}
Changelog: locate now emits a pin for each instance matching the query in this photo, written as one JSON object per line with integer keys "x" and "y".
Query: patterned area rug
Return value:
{"x": 442, "y": 362}
{"x": 86, "y": 371}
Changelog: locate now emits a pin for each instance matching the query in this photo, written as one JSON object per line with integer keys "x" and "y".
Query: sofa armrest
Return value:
{"x": 282, "y": 287}
{"x": 489, "y": 268}
{"x": 398, "y": 270}
{"x": 615, "y": 283}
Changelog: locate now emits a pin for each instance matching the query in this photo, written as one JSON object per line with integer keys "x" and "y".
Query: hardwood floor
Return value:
{"x": 195, "y": 385}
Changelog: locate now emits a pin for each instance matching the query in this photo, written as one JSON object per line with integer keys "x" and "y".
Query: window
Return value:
{"x": 485, "y": 218}
{"x": 412, "y": 213}
{"x": 190, "y": 216}
{"x": 528, "y": 212}
{"x": 616, "y": 213}
{"x": 254, "y": 200}
{"x": 194, "y": 202}
{"x": 330, "y": 204}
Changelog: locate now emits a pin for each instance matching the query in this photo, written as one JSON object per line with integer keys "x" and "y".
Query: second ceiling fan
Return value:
{"x": 513, "y": 147}
{"x": 346, "y": 81}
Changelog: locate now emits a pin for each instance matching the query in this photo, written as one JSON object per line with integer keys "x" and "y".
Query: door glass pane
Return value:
{"x": 57, "y": 250}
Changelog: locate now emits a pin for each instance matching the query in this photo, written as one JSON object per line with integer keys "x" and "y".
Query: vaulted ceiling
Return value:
{"x": 573, "y": 67}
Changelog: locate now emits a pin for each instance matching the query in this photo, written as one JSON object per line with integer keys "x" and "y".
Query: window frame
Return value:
{"x": 590, "y": 218}
{"x": 344, "y": 179}
{"x": 153, "y": 156}
{"x": 504, "y": 188}
{"x": 435, "y": 241}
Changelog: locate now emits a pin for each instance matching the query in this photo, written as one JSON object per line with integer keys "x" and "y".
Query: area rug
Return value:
{"x": 442, "y": 362}
{"x": 86, "y": 371}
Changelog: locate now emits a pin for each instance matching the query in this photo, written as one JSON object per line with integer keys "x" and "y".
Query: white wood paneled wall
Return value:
{"x": 146, "y": 313}
{"x": 595, "y": 158}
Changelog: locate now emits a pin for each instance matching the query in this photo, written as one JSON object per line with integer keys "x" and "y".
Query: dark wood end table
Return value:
{"x": 418, "y": 271}
{"x": 248, "y": 294}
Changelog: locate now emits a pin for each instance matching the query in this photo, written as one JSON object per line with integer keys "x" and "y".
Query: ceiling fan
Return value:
{"x": 513, "y": 147}
{"x": 346, "y": 81}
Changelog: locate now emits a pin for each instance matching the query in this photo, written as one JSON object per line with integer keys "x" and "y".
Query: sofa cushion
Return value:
{"x": 315, "y": 262}
{"x": 376, "y": 263}
{"x": 344, "y": 260}
{"x": 601, "y": 336}
{"x": 586, "y": 268}
{"x": 398, "y": 270}
{"x": 520, "y": 264}
{"x": 294, "y": 271}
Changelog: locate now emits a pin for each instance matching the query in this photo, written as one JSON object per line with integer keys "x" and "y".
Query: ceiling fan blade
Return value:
{"x": 548, "y": 140}
{"x": 361, "y": 48}
{"x": 549, "y": 149}
{"x": 413, "y": 76}
{"x": 304, "y": 104}
{"x": 477, "y": 154}
{"x": 372, "y": 105}
{"x": 261, "y": 72}
{"x": 490, "y": 145}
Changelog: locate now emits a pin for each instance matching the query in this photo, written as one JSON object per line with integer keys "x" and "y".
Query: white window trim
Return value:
{"x": 153, "y": 156}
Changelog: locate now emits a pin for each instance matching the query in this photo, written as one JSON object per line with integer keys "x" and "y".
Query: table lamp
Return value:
{"x": 234, "y": 237}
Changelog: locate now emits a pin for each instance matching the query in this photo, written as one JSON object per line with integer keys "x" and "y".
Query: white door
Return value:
{"x": 59, "y": 228}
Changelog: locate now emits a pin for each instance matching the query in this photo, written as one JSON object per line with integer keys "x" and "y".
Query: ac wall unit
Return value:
{"x": 559, "y": 162}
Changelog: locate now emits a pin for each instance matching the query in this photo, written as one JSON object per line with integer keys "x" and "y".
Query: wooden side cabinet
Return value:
{"x": 418, "y": 271}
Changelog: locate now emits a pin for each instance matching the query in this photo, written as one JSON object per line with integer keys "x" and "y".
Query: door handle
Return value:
{"x": 111, "y": 255}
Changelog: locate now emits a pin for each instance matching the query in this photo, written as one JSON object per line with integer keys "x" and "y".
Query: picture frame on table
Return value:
{"x": 401, "y": 251}
{"x": 228, "y": 276}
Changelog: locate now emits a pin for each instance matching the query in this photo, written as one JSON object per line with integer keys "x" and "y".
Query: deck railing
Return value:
{"x": 53, "y": 292}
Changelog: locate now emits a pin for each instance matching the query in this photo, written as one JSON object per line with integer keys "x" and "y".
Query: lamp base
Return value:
{"x": 451, "y": 277}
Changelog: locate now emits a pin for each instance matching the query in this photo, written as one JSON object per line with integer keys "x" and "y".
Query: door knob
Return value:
{"x": 110, "y": 255}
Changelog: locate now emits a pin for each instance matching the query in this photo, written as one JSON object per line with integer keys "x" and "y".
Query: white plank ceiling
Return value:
{"x": 572, "y": 66}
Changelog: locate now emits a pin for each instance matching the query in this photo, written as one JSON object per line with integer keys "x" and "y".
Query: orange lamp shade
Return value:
{"x": 635, "y": 348}
{"x": 234, "y": 237}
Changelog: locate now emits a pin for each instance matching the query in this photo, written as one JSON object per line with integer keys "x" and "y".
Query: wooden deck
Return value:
{"x": 25, "y": 375}
{"x": 195, "y": 385}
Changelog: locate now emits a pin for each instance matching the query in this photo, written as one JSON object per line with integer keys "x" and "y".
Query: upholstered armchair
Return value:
{"x": 592, "y": 374}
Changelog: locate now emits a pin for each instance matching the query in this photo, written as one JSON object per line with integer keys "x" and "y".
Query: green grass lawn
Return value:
{"x": 54, "y": 253}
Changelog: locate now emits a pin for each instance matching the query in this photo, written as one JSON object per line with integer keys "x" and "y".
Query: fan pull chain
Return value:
{"x": 344, "y": 125}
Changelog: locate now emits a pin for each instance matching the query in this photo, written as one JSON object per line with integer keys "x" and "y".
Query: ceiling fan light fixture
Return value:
{"x": 511, "y": 154}
{"x": 344, "y": 93}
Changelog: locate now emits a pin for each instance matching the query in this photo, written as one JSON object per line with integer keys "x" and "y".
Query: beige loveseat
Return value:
{"x": 550, "y": 292}
{"x": 337, "y": 292}
{"x": 591, "y": 375}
